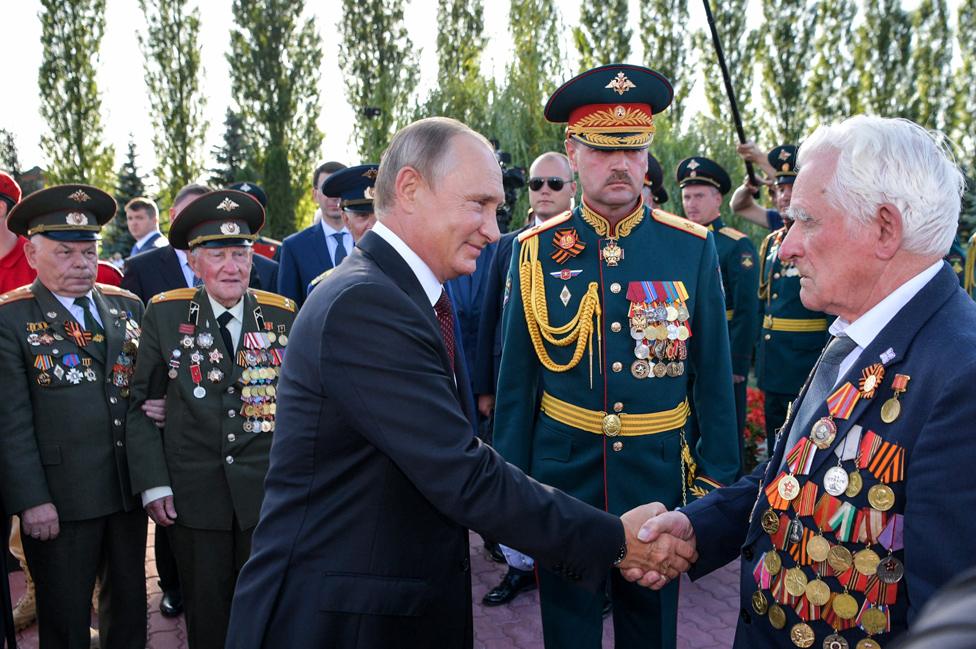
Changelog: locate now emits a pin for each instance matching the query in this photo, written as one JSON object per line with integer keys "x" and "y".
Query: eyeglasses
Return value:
{"x": 555, "y": 184}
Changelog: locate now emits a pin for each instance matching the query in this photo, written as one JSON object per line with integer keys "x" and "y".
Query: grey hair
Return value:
{"x": 893, "y": 160}
{"x": 423, "y": 146}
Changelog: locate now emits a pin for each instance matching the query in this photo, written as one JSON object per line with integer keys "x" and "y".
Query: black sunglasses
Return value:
{"x": 555, "y": 184}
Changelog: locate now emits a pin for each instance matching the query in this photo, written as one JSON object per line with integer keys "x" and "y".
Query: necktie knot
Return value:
{"x": 445, "y": 318}
{"x": 91, "y": 324}
{"x": 224, "y": 318}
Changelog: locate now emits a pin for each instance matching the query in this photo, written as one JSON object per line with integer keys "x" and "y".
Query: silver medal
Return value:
{"x": 835, "y": 481}
{"x": 199, "y": 392}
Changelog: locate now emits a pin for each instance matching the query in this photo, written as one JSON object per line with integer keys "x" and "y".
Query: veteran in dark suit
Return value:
{"x": 864, "y": 510}
{"x": 375, "y": 473}
{"x": 67, "y": 348}
{"x": 610, "y": 308}
{"x": 214, "y": 352}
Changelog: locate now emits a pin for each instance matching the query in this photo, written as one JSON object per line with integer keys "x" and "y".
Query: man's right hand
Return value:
{"x": 486, "y": 403}
{"x": 674, "y": 525}
{"x": 41, "y": 522}
{"x": 162, "y": 511}
{"x": 660, "y": 558}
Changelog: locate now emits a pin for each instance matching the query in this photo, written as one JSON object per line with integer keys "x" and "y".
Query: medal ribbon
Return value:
{"x": 803, "y": 504}
{"x": 779, "y": 538}
{"x": 77, "y": 334}
{"x": 808, "y": 612}
{"x": 893, "y": 536}
{"x": 832, "y": 619}
{"x": 842, "y": 521}
{"x": 800, "y": 456}
{"x": 900, "y": 384}
{"x": 799, "y": 550}
{"x": 826, "y": 508}
{"x": 870, "y": 442}
{"x": 71, "y": 360}
{"x": 878, "y": 592}
{"x": 761, "y": 573}
{"x": 187, "y": 328}
{"x": 888, "y": 463}
{"x": 43, "y": 362}
{"x": 841, "y": 403}
{"x": 851, "y": 579}
{"x": 636, "y": 292}
{"x": 671, "y": 292}
{"x": 848, "y": 448}
{"x": 195, "y": 373}
{"x": 682, "y": 291}
{"x": 779, "y": 592}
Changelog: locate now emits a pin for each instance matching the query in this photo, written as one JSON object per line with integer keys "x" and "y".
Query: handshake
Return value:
{"x": 660, "y": 545}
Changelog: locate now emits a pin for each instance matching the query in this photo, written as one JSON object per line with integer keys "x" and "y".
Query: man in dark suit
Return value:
{"x": 67, "y": 347}
{"x": 142, "y": 219}
{"x": 865, "y": 508}
{"x": 305, "y": 255}
{"x": 362, "y": 540}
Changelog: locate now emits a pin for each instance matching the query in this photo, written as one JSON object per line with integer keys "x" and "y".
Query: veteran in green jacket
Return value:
{"x": 610, "y": 309}
{"x": 214, "y": 352}
{"x": 67, "y": 348}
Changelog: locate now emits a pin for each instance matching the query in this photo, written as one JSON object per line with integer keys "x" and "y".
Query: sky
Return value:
{"x": 125, "y": 104}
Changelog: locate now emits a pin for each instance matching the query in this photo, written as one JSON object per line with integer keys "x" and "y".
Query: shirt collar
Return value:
{"x": 428, "y": 281}
{"x": 329, "y": 230}
{"x": 69, "y": 302}
{"x": 181, "y": 255}
{"x": 236, "y": 311}
{"x": 864, "y": 330}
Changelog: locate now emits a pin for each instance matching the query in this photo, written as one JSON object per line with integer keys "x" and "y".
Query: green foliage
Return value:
{"x": 927, "y": 100}
{"x": 234, "y": 155}
{"x": 882, "y": 58}
{"x": 602, "y": 36}
{"x": 830, "y": 94}
{"x": 784, "y": 47}
{"x": 172, "y": 71}
{"x": 129, "y": 184}
{"x": 380, "y": 71}
{"x": 274, "y": 64}
{"x": 9, "y": 158}
{"x": 71, "y": 34}
{"x": 963, "y": 117}
{"x": 664, "y": 35}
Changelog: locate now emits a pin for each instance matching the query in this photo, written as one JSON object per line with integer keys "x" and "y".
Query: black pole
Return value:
{"x": 728, "y": 88}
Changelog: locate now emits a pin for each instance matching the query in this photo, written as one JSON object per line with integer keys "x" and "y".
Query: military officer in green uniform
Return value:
{"x": 610, "y": 308}
{"x": 67, "y": 348}
{"x": 704, "y": 183}
{"x": 214, "y": 352}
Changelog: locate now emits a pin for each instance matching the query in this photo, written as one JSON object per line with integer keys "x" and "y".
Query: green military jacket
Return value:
{"x": 609, "y": 428}
{"x": 792, "y": 336}
{"x": 64, "y": 402}
{"x": 740, "y": 281}
{"x": 220, "y": 406}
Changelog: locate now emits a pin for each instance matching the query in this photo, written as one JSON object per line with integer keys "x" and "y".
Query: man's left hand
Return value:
{"x": 155, "y": 409}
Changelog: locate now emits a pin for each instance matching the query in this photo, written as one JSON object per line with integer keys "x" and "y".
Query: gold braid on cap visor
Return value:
{"x": 627, "y": 128}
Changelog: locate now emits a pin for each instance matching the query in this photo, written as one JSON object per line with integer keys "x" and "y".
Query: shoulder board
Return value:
{"x": 110, "y": 289}
{"x": 315, "y": 282}
{"x": 972, "y": 239}
{"x": 545, "y": 225}
{"x": 273, "y": 299}
{"x": 678, "y": 223}
{"x": 176, "y": 294}
{"x": 16, "y": 294}
{"x": 732, "y": 233}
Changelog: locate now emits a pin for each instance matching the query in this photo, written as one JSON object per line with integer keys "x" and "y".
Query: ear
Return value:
{"x": 191, "y": 261}
{"x": 571, "y": 154}
{"x": 30, "y": 252}
{"x": 408, "y": 183}
{"x": 890, "y": 231}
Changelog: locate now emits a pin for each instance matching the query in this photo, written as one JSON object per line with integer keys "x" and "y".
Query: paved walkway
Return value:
{"x": 706, "y": 616}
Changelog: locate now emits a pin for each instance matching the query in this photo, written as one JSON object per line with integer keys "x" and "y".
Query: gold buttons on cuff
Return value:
{"x": 618, "y": 446}
{"x": 615, "y": 287}
{"x": 617, "y": 366}
{"x": 617, "y": 407}
{"x": 615, "y": 327}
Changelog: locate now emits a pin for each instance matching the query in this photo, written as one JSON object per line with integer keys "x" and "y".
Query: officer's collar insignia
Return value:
{"x": 230, "y": 227}
{"x": 79, "y": 196}
{"x": 76, "y": 218}
{"x": 620, "y": 84}
{"x": 227, "y": 205}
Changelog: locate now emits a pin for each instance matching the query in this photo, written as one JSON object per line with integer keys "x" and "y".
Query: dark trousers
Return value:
{"x": 739, "y": 392}
{"x": 113, "y": 548}
{"x": 774, "y": 409}
{"x": 573, "y": 617}
{"x": 169, "y": 578}
{"x": 209, "y": 562}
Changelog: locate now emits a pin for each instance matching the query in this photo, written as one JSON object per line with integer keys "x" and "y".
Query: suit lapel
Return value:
{"x": 171, "y": 266}
{"x": 321, "y": 248}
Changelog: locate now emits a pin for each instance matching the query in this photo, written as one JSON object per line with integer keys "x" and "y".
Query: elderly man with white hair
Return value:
{"x": 864, "y": 510}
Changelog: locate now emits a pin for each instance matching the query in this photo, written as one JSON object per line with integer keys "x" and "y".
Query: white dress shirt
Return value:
{"x": 188, "y": 275}
{"x": 432, "y": 287}
{"x": 76, "y": 311}
{"x": 236, "y": 322}
{"x": 331, "y": 242}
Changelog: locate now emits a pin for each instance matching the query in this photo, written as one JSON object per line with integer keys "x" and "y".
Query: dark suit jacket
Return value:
{"x": 304, "y": 256}
{"x": 264, "y": 274}
{"x": 375, "y": 476}
{"x": 157, "y": 240}
{"x": 152, "y": 272}
{"x": 937, "y": 495}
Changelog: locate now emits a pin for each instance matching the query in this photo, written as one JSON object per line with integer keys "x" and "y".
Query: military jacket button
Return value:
{"x": 232, "y": 437}
{"x": 118, "y": 443}
{"x": 776, "y": 275}
{"x": 615, "y": 287}
{"x": 113, "y": 400}
{"x": 745, "y": 616}
{"x": 617, "y": 407}
{"x": 617, "y": 366}
{"x": 747, "y": 554}
{"x": 229, "y": 459}
{"x": 231, "y": 413}
{"x": 767, "y": 336}
{"x": 775, "y": 295}
{"x": 615, "y": 327}
{"x": 231, "y": 390}
{"x": 618, "y": 446}
{"x": 117, "y": 422}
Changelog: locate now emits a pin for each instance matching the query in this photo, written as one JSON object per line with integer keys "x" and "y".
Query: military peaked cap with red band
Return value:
{"x": 611, "y": 107}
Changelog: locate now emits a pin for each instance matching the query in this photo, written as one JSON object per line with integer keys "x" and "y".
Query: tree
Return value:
{"x": 737, "y": 44}
{"x": 928, "y": 96}
{"x": 784, "y": 47}
{"x": 234, "y": 155}
{"x": 881, "y": 54}
{"x": 602, "y": 36}
{"x": 9, "y": 158}
{"x": 831, "y": 95}
{"x": 171, "y": 50}
{"x": 963, "y": 121}
{"x": 71, "y": 35}
{"x": 129, "y": 184}
{"x": 274, "y": 67}
{"x": 381, "y": 71}
{"x": 664, "y": 35}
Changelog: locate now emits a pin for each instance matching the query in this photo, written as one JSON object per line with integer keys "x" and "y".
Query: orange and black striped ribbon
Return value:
{"x": 799, "y": 550}
{"x": 803, "y": 504}
{"x": 888, "y": 463}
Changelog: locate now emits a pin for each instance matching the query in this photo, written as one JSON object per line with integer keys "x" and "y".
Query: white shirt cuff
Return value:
{"x": 155, "y": 493}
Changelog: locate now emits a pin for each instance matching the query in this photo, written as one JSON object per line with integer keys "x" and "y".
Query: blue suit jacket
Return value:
{"x": 304, "y": 256}
{"x": 467, "y": 295}
{"x": 936, "y": 497}
{"x": 489, "y": 352}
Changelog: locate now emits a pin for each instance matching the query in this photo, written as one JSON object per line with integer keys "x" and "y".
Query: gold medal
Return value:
{"x": 660, "y": 370}
{"x": 823, "y": 432}
{"x": 777, "y": 616}
{"x": 874, "y": 621}
{"x": 818, "y": 548}
{"x": 890, "y": 410}
{"x": 796, "y": 581}
{"x": 773, "y": 562}
{"x": 881, "y": 497}
{"x": 845, "y": 606}
{"x": 788, "y": 487}
{"x": 854, "y": 483}
{"x": 818, "y": 592}
{"x": 770, "y": 522}
{"x": 866, "y": 562}
{"x": 683, "y": 333}
{"x": 759, "y": 603}
{"x": 641, "y": 369}
{"x": 802, "y": 635}
{"x": 840, "y": 559}
{"x": 867, "y": 643}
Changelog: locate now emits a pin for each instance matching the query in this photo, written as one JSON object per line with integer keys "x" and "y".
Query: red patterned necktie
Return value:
{"x": 445, "y": 317}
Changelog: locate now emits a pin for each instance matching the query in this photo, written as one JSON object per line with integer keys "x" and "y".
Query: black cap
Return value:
{"x": 702, "y": 171}
{"x": 252, "y": 189}
{"x": 353, "y": 186}
{"x": 654, "y": 178}
{"x": 218, "y": 219}
{"x": 63, "y": 212}
{"x": 783, "y": 160}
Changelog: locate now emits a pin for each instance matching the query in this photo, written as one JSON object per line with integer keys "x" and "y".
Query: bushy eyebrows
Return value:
{"x": 798, "y": 214}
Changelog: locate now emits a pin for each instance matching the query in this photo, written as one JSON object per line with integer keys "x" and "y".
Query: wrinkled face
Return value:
{"x": 782, "y": 195}
{"x": 358, "y": 223}
{"x": 611, "y": 179}
{"x": 460, "y": 209}
{"x": 702, "y": 203}
{"x": 224, "y": 271}
{"x": 830, "y": 253}
{"x": 140, "y": 222}
{"x": 327, "y": 204}
{"x": 546, "y": 202}
{"x": 67, "y": 268}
